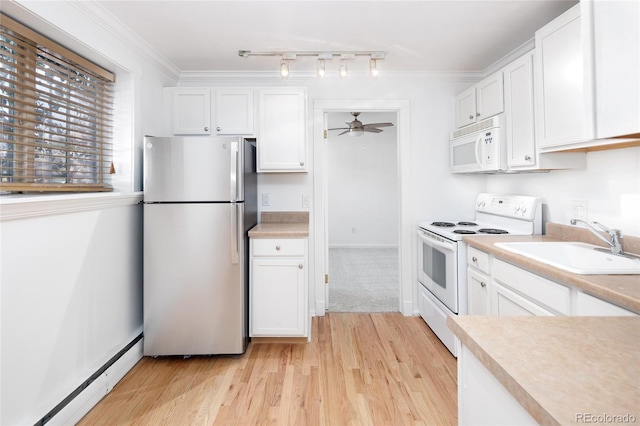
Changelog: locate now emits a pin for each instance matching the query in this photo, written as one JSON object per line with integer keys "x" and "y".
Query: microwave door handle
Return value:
{"x": 478, "y": 148}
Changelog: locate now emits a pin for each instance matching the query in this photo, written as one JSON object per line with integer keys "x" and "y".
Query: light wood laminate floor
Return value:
{"x": 359, "y": 369}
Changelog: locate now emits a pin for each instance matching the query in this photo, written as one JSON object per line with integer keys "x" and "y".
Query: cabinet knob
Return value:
{"x": 300, "y": 266}
{"x": 527, "y": 157}
{"x": 302, "y": 163}
{"x": 218, "y": 128}
{"x": 477, "y": 114}
{"x": 206, "y": 129}
{"x": 471, "y": 117}
{"x": 474, "y": 259}
{"x": 482, "y": 284}
{"x": 278, "y": 248}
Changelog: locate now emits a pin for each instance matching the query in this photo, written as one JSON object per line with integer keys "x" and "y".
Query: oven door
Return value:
{"x": 438, "y": 267}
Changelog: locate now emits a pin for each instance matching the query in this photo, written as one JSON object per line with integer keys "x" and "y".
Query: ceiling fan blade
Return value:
{"x": 342, "y": 133}
{"x": 378, "y": 124}
{"x": 339, "y": 128}
{"x": 372, "y": 130}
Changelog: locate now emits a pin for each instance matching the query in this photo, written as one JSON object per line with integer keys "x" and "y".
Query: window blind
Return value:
{"x": 56, "y": 116}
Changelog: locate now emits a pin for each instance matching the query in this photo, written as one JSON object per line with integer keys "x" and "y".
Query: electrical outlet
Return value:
{"x": 578, "y": 209}
{"x": 306, "y": 202}
{"x": 265, "y": 198}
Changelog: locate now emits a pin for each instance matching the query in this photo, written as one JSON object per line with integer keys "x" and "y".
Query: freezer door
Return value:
{"x": 194, "y": 279}
{"x": 193, "y": 169}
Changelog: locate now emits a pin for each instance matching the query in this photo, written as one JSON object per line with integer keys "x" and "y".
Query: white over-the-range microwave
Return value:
{"x": 479, "y": 147}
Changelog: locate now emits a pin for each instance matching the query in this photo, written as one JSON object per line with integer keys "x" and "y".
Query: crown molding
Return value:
{"x": 220, "y": 77}
{"x": 102, "y": 17}
{"x": 525, "y": 47}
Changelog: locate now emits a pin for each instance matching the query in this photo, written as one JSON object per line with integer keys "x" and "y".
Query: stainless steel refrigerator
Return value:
{"x": 200, "y": 200}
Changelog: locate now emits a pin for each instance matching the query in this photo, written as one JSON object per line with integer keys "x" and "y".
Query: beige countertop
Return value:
{"x": 622, "y": 290}
{"x": 281, "y": 225}
{"x": 560, "y": 367}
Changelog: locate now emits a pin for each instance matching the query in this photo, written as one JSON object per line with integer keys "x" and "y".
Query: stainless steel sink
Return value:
{"x": 579, "y": 258}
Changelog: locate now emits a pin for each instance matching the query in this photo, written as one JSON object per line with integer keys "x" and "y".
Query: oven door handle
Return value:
{"x": 433, "y": 242}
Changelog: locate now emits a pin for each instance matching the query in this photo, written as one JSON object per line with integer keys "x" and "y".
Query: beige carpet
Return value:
{"x": 363, "y": 280}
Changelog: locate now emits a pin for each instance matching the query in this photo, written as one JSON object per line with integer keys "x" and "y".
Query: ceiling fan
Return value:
{"x": 356, "y": 128}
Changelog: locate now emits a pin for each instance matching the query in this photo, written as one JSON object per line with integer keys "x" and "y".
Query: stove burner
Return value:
{"x": 463, "y": 231}
{"x": 492, "y": 231}
{"x": 467, "y": 224}
{"x": 443, "y": 224}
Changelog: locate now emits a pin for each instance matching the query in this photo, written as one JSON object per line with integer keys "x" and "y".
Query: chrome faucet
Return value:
{"x": 615, "y": 235}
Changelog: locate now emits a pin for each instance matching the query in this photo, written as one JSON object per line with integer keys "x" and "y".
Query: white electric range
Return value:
{"x": 442, "y": 255}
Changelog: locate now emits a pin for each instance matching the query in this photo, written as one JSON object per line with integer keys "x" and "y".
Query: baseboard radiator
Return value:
{"x": 79, "y": 402}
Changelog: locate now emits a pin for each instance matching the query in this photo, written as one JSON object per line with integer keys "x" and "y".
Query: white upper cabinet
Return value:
{"x": 588, "y": 78}
{"x": 282, "y": 142}
{"x": 561, "y": 117}
{"x": 481, "y": 101}
{"x": 234, "y": 112}
{"x": 191, "y": 111}
{"x": 518, "y": 90}
{"x": 615, "y": 27}
{"x": 522, "y": 153}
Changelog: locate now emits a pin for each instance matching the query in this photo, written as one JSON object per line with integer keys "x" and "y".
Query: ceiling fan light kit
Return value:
{"x": 286, "y": 57}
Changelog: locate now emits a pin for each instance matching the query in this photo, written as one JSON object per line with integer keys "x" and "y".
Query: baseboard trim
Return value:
{"x": 75, "y": 406}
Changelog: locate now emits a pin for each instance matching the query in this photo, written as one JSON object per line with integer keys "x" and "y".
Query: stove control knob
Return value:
{"x": 524, "y": 209}
{"x": 517, "y": 209}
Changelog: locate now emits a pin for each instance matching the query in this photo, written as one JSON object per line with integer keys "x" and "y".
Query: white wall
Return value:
{"x": 610, "y": 184}
{"x": 362, "y": 183}
{"x": 71, "y": 266}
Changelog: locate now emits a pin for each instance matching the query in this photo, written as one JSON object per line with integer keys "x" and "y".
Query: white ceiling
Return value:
{"x": 418, "y": 36}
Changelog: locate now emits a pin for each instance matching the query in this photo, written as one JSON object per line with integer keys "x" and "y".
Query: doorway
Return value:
{"x": 322, "y": 108}
{"x": 362, "y": 215}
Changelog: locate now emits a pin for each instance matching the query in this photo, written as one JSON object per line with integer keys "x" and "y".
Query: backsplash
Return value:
{"x": 575, "y": 233}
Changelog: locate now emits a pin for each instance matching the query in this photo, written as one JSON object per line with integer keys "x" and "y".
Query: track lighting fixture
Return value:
{"x": 321, "y": 69}
{"x": 284, "y": 68}
{"x": 342, "y": 71}
{"x": 373, "y": 68}
{"x": 323, "y": 57}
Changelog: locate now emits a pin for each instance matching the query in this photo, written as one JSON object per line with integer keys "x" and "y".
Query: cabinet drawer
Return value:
{"x": 536, "y": 288}
{"x": 478, "y": 259}
{"x": 278, "y": 247}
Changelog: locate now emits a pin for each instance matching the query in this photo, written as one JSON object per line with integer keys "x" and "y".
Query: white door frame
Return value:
{"x": 405, "y": 228}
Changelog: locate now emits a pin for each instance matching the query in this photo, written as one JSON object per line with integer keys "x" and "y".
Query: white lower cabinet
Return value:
{"x": 278, "y": 290}
{"x": 508, "y": 303}
{"x": 533, "y": 294}
{"x": 478, "y": 282}
{"x": 587, "y": 305}
{"x": 482, "y": 400}
{"x": 496, "y": 287}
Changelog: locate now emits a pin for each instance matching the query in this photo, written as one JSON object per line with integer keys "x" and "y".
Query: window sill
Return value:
{"x": 21, "y": 206}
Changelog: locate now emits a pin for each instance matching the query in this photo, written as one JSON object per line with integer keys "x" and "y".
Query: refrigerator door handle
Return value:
{"x": 234, "y": 234}
{"x": 233, "y": 178}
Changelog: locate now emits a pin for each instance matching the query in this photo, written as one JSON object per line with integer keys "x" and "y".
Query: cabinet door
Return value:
{"x": 508, "y": 303}
{"x": 490, "y": 96}
{"x": 616, "y": 56}
{"x": 278, "y": 297}
{"x": 191, "y": 111}
{"x": 282, "y": 143}
{"x": 466, "y": 107}
{"x": 478, "y": 293}
{"x": 586, "y": 305}
{"x": 560, "y": 117}
{"x": 518, "y": 87}
{"x": 234, "y": 112}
